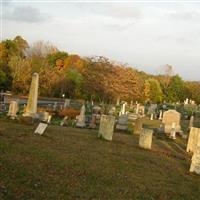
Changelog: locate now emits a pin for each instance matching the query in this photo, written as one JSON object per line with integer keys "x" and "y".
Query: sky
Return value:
{"x": 146, "y": 35}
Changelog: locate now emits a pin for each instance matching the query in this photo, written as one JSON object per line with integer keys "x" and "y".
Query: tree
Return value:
{"x": 152, "y": 90}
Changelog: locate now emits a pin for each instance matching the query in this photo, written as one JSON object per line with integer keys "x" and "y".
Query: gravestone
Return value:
{"x": 81, "y": 118}
{"x": 138, "y": 126}
{"x": 195, "y": 164}
{"x": 41, "y": 128}
{"x": 169, "y": 117}
{"x": 122, "y": 123}
{"x": 67, "y": 103}
{"x": 64, "y": 122}
{"x": 44, "y": 116}
{"x": 137, "y": 108}
{"x": 141, "y": 110}
{"x": 191, "y": 122}
{"x": 145, "y": 140}
{"x": 31, "y": 108}
{"x": 173, "y": 131}
{"x": 132, "y": 117}
{"x": 13, "y": 109}
{"x": 106, "y": 127}
{"x": 93, "y": 122}
{"x": 151, "y": 118}
{"x": 193, "y": 140}
{"x": 160, "y": 114}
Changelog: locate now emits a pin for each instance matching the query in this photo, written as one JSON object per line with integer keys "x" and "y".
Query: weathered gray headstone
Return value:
{"x": 145, "y": 140}
{"x": 194, "y": 138}
{"x": 122, "y": 123}
{"x": 31, "y": 108}
{"x": 170, "y": 117}
{"x": 106, "y": 127}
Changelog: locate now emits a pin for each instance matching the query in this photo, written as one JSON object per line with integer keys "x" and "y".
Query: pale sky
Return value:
{"x": 143, "y": 35}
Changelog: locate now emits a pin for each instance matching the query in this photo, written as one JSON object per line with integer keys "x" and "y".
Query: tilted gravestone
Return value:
{"x": 193, "y": 140}
{"x": 106, "y": 127}
{"x": 195, "y": 164}
{"x": 41, "y": 128}
{"x": 145, "y": 140}
{"x": 170, "y": 117}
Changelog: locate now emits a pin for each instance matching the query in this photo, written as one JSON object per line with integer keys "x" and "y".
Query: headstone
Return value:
{"x": 191, "y": 122}
{"x": 122, "y": 123}
{"x": 137, "y": 108}
{"x": 195, "y": 165}
{"x": 118, "y": 101}
{"x": 132, "y": 117}
{"x": 160, "y": 114}
{"x": 31, "y": 108}
{"x": 44, "y": 116}
{"x": 173, "y": 131}
{"x": 141, "y": 110}
{"x": 49, "y": 119}
{"x": 13, "y": 109}
{"x": 169, "y": 117}
{"x": 67, "y": 103}
{"x": 123, "y": 109}
{"x": 194, "y": 138}
{"x": 81, "y": 118}
{"x": 41, "y": 128}
{"x": 151, "y": 118}
{"x": 138, "y": 126}
{"x": 145, "y": 140}
{"x": 64, "y": 121}
{"x": 93, "y": 122}
{"x": 112, "y": 111}
{"x": 106, "y": 127}
{"x": 55, "y": 105}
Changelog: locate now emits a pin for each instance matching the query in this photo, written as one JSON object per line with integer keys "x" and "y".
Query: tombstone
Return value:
{"x": 43, "y": 116}
{"x": 118, "y": 101}
{"x": 173, "y": 131}
{"x": 31, "y": 108}
{"x": 112, "y": 111}
{"x": 186, "y": 101}
{"x": 13, "y": 109}
{"x": 138, "y": 126}
{"x": 142, "y": 110}
{"x": 160, "y": 114}
{"x": 191, "y": 122}
{"x": 123, "y": 109}
{"x": 193, "y": 140}
{"x": 169, "y": 117}
{"x": 41, "y": 128}
{"x": 195, "y": 164}
{"x": 137, "y": 108}
{"x": 145, "y": 140}
{"x": 81, "y": 118}
{"x": 152, "y": 108}
{"x": 151, "y": 118}
{"x": 122, "y": 123}
{"x": 106, "y": 127}
{"x": 67, "y": 103}
{"x": 132, "y": 117}
{"x": 55, "y": 105}
{"x": 49, "y": 119}
{"x": 93, "y": 122}
{"x": 64, "y": 122}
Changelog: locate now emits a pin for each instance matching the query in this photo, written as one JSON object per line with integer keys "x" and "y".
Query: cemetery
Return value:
{"x": 99, "y": 100}
{"x": 82, "y": 149}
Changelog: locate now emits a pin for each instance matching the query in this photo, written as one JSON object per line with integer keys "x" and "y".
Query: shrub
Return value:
{"x": 70, "y": 112}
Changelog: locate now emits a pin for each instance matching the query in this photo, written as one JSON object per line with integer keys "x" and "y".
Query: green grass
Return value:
{"x": 68, "y": 163}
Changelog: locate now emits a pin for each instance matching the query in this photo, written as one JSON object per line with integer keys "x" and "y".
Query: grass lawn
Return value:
{"x": 69, "y": 163}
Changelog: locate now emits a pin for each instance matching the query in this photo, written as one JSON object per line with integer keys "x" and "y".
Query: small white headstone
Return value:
{"x": 41, "y": 128}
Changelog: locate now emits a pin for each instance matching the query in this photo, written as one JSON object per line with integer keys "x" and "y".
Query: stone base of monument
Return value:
{"x": 26, "y": 120}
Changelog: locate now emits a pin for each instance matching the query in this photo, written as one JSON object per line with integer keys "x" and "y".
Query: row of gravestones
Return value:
{"x": 171, "y": 121}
